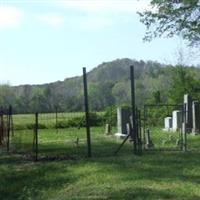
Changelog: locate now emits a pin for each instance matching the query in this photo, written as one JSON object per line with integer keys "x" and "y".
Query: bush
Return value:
{"x": 110, "y": 115}
{"x": 32, "y": 126}
{"x": 28, "y": 126}
{"x": 80, "y": 121}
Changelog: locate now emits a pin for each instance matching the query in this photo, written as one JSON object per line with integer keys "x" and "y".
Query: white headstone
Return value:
{"x": 168, "y": 123}
{"x": 176, "y": 120}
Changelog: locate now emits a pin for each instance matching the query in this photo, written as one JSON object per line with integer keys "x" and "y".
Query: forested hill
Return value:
{"x": 108, "y": 84}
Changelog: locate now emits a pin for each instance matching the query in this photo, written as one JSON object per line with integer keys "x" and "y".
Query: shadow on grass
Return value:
{"x": 138, "y": 177}
{"x": 27, "y": 180}
{"x": 148, "y": 194}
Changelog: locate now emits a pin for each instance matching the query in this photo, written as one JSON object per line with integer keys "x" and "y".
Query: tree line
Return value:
{"x": 108, "y": 85}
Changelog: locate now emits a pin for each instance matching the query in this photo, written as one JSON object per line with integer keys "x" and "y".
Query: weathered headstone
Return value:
{"x": 184, "y": 144}
{"x": 188, "y": 112}
{"x": 176, "y": 120}
{"x": 128, "y": 128}
{"x": 168, "y": 123}
{"x": 195, "y": 117}
{"x": 108, "y": 129}
{"x": 148, "y": 142}
{"x": 123, "y": 117}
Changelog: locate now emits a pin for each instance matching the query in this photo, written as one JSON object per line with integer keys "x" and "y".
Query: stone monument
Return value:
{"x": 168, "y": 123}
{"x": 195, "y": 117}
{"x": 123, "y": 118}
{"x": 188, "y": 112}
{"x": 176, "y": 120}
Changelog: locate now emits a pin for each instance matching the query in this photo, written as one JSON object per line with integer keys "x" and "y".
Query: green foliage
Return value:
{"x": 183, "y": 82}
{"x": 28, "y": 126}
{"x": 110, "y": 115}
{"x": 156, "y": 115}
{"x": 80, "y": 121}
{"x": 173, "y": 18}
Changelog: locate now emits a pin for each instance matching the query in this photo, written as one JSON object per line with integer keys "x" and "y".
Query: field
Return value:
{"x": 153, "y": 175}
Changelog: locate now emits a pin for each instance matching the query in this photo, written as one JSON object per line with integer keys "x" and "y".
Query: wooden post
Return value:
{"x": 87, "y": 116}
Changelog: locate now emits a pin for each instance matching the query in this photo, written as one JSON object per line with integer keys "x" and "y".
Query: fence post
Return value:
{"x": 8, "y": 127}
{"x": 36, "y": 136}
{"x": 139, "y": 132}
{"x": 87, "y": 116}
{"x": 184, "y": 129}
{"x": 56, "y": 119}
{"x": 134, "y": 129}
{"x": 11, "y": 121}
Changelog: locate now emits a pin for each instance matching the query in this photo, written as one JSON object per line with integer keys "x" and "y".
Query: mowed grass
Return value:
{"x": 49, "y": 120}
{"x": 151, "y": 176}
{"x": 154, "y": 175}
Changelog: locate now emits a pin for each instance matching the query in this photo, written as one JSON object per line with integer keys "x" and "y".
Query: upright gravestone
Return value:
{"x": 148, "y": 144}
{"x": 176, "y": 120}
{"x": 188, "y": 112}
{"x": 123, "y": 118}
{"x": 168, "y": 123}
{"x": 195, "y": 117}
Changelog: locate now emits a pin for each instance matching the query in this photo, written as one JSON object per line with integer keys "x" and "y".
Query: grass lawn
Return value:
{"x": 154, "y": 175}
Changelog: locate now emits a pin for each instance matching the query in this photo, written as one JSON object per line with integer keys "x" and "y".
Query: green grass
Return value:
{"x": 164, "y": 140}
{"x": 46, "y": 120}
{"x": 154, "y": 175}
{"x": 151, "y": 176}
{"x": 61, "y": 142}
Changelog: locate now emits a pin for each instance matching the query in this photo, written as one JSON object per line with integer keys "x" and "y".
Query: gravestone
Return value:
{"x": 188, "y": 112}
{"x": 195, "y": 117}
{"x": 108, "y": 129}
{"x": 176, "y": 120}
{"x": 123, "y": 118}
{"x": 168, "y": 123}
{"x": 148, "y": 144}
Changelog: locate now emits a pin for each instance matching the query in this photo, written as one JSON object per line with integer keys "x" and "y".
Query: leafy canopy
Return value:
{"x": 176, "y": 17}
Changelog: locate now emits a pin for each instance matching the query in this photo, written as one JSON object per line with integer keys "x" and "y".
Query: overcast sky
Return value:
{"x": 46, "y": 41}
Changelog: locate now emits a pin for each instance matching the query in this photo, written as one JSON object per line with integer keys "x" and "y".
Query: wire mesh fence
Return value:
{"x": 22, "y": 137}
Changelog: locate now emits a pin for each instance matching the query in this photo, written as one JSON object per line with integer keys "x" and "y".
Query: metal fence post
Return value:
{"x": 134, "y": 129}
{"x": 36, "y": 136}
{"x": 87, "y": 115}
{"x": 9, "y": 127}
{"x": 184, "y": 129}
{"x": 56, "y": 119}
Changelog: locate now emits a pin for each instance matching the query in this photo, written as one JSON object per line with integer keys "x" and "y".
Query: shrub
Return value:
{"x": 80, "y": 121}
{"x": 110, "y": 115}
{"x": 32, "y": 126}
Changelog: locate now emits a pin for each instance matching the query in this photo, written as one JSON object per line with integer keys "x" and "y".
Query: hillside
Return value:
{"x": 108, "y": 85}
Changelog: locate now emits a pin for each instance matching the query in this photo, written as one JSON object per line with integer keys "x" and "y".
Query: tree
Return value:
{"x": 176, "y": 17}
{"x": 100, "y": 95}
{"x": 182, "y": 83}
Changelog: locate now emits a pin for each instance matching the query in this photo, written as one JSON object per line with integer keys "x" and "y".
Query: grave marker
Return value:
{"x": 188, "y": 112}
{"x": 195, "y": 117}
{"x": 176, "y": 120}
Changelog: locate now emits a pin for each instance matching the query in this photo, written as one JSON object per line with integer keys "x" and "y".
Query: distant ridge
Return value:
{"x": 108, "y": 84}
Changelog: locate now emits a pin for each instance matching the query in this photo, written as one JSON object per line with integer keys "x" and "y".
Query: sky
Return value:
{"x": 43, "y": 41}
